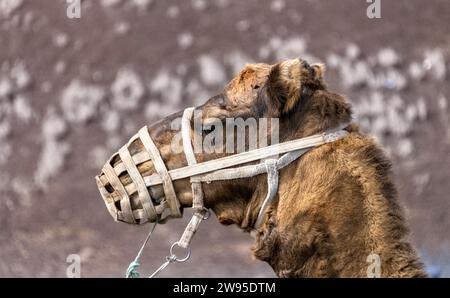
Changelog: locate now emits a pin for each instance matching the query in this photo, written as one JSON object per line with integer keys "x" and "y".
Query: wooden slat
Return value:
{"x": 161, "y": 169}
{"x": 117, "y": 185}
{"x": 133, "y": 172}
{"x": 138, "y": 158}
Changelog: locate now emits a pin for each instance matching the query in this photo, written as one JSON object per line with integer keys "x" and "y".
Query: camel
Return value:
{"x": 335, "y": 206}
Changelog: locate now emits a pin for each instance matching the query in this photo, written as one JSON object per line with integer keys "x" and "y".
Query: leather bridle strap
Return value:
{"x": 270, "y": 166}
{"x": 200, "y": 212}
{"x": 206, "y": 167}
{"x": 197, "y": 191}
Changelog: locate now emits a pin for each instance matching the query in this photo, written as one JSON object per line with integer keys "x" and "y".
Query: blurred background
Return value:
{"x": 72, "y": 91}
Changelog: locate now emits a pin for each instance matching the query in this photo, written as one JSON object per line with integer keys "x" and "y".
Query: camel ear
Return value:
{"x": 319, "y": 70}
{"x": 284, "y": 85}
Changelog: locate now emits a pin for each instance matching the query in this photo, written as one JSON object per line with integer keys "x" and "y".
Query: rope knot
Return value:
{"x": 171, "y": 258}
{"x": 131, "y": 270}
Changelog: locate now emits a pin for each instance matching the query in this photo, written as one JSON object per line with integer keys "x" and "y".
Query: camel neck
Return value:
{"x": 337, "y": 214}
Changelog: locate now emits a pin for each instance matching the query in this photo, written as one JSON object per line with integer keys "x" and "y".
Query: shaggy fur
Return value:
{"x": 335, "y": 206}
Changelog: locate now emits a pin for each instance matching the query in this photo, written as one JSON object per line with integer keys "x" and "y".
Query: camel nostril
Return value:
{"x": 109, "y": 188}
{"x": 117, "y": 204}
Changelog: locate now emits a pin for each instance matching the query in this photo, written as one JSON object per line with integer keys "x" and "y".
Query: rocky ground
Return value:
{"x": 72, "y": 91}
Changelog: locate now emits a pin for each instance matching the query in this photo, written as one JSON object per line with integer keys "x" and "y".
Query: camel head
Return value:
{"x": 277, "y": 102}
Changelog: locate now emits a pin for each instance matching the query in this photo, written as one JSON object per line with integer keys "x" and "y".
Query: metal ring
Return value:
{"x": 176, "y": 258}
{"x": 207, "y": 213}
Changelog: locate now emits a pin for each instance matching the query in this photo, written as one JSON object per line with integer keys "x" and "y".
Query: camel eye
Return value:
{"x": 207, "y": 130}
{"x": 211, "y": 124}
{"x": 256, "y": 87}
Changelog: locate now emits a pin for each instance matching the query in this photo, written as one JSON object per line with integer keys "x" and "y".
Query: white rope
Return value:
{"x": 132, "y": 268}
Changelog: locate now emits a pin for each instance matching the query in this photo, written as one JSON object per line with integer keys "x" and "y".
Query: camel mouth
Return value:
{"x": 124, "y": 186}
{"x": 114, "y": 198}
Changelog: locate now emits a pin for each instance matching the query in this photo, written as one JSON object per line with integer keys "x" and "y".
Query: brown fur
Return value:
{"x": 335, "y": 205}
